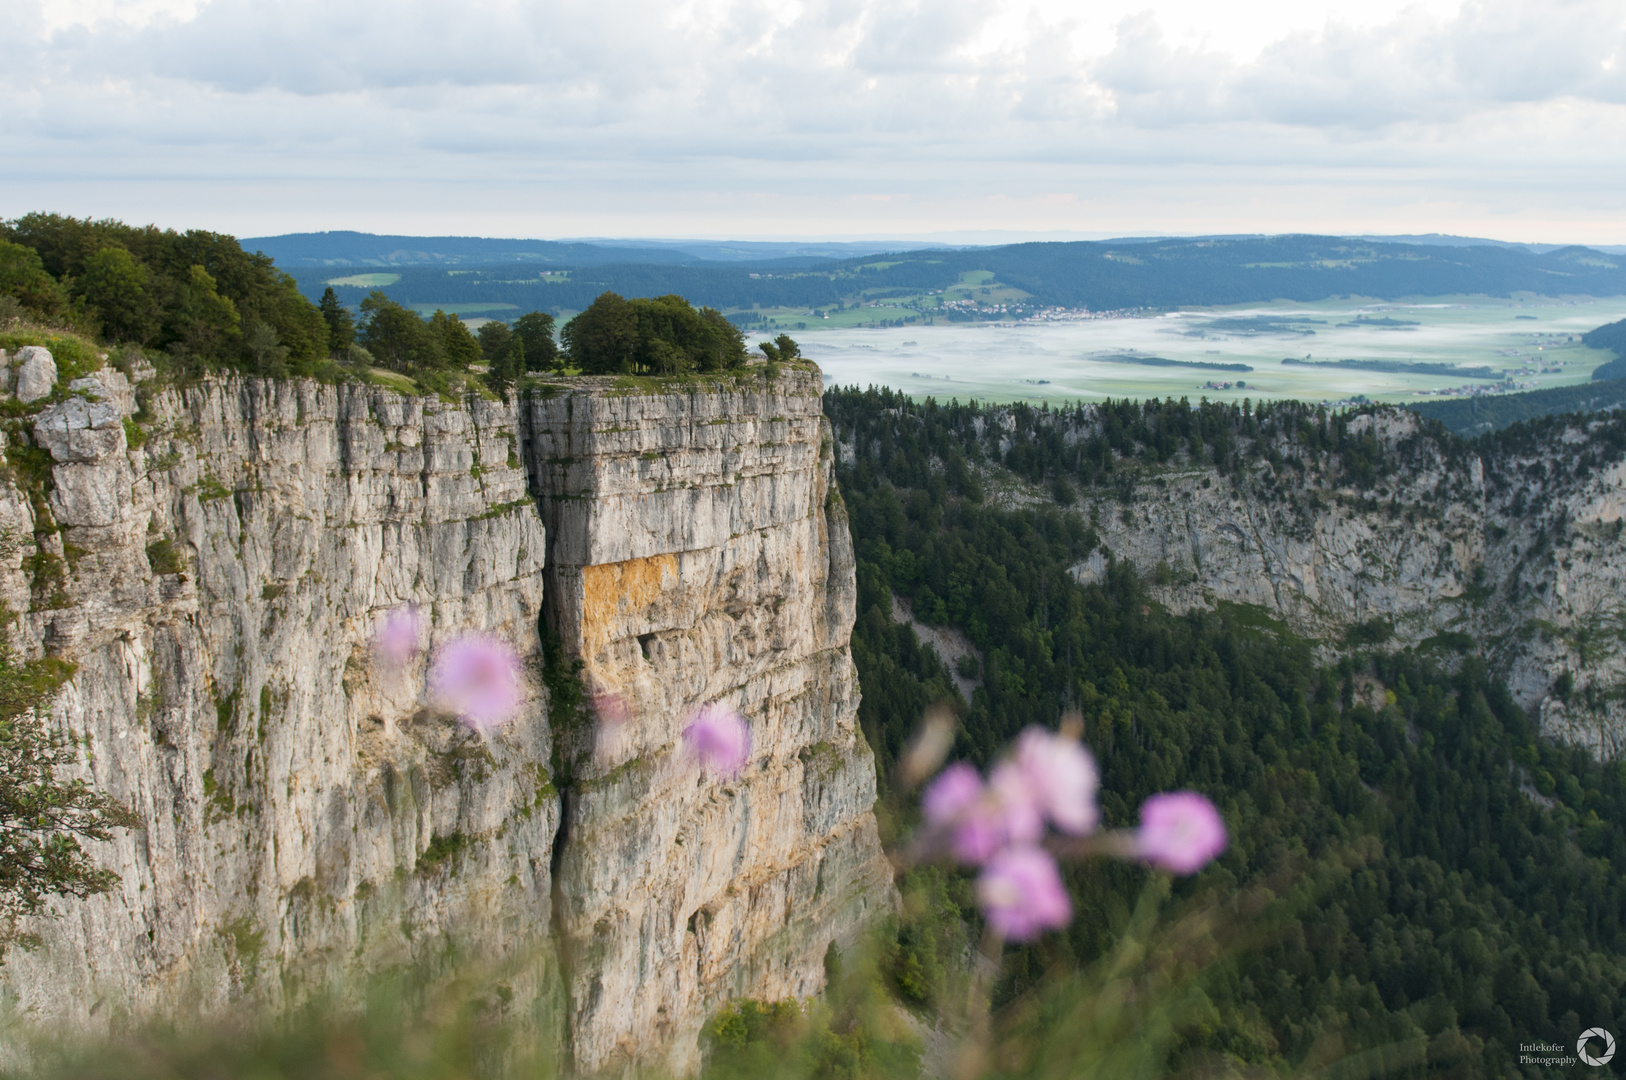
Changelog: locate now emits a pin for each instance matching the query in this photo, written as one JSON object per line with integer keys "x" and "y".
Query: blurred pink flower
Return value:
{"x": 719, "y": 738}
{"x": 478, "y": 677}
{"x": 951, "y": 794}
{"x": 963, "y": 809}
{"x": 977, "y": 819}
{"x": 396, "y": 641}
{"x": 1019, "y": 810}
{"x": 1021, "y": 893}
{"x": 1180, "y": 831}
{"x": 1060, "y": 777}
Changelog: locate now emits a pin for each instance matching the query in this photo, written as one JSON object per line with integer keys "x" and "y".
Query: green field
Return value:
{"x": 365, "y": 281}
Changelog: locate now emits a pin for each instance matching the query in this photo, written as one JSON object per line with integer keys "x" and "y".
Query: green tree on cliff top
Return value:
{"x": 665, "y": 335}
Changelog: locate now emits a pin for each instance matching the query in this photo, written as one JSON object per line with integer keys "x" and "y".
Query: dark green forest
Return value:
{"x": 1468, "y": 416}
{"x": 1442, "y": 883}
{"x": 1607, "y": 390}
{"x": 1611, "y": 336}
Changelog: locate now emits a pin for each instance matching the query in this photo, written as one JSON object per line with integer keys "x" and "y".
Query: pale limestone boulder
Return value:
{"x": 36, "y": 373}
{"x": 91, "y": 476}
{"x": 80, "y": 431}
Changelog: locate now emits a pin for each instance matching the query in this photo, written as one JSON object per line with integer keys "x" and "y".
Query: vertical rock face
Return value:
{"x": 310, "y": 813}
{"x": 305, "y": 809}
{"x": 699, "y": 554}
{"x": 1511, "y": 547}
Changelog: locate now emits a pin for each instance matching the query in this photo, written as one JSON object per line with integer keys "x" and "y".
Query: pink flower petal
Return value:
{"x": 1019, "y": 810}
{"x": 1061, "y": 778}
{"x": 396, "y": 640}
{"x": 1021, "y": 893}
{"x": 951, "y": 794}
{"x": 719, "y": 739}
{"x": 478, "y": 677}
{"x": 1180, "y": 831}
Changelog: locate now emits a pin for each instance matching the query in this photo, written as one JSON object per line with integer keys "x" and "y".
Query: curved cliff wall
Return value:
{"x": 699, "y": 554}
{"x": 1515, "y": 545}
{"x": 309, "y": 815}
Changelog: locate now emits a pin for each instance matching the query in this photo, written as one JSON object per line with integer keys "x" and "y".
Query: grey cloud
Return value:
{"x": 826, "y": 100}
{"x": 1411, "y": 70}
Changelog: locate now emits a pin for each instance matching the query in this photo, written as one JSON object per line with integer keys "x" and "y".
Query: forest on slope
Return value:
{"x": 1100, "y": 275}
{"x": 1442, "y": 883}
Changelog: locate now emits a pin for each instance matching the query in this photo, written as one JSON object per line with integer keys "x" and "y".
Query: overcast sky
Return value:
{"x": 821, "y": 118}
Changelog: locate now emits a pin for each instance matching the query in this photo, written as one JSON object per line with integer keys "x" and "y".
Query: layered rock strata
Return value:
{"x": 1518, "y": 554}
{"x": 699, "y": 554}
{"x": 308, "y": 812}
{"x": 216, "y": 561}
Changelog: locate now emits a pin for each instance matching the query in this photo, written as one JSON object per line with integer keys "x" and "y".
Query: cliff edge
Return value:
{"x": 215, "y": 561}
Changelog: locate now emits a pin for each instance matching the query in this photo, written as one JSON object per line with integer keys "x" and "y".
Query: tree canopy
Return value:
{"x": 665, "y": 335}
{"x": 190, "y": 293}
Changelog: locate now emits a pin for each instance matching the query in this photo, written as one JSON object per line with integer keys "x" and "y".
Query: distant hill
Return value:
{"x": 1611, "y": 336}
{"x": 338, "y": 249}
{"x": 1018, "y": 279}
{"x": 1447, "y": 240}
{"x": 1471, "y": 416}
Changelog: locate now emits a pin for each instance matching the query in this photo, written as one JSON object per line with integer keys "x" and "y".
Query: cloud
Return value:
{"x": 800, "y": 99}
{"x": 1413, "y": 69}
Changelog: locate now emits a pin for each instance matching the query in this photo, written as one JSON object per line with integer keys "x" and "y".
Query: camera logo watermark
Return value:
{"x": 1551, "y": 1054}
{"x": 1585, "y": 1053}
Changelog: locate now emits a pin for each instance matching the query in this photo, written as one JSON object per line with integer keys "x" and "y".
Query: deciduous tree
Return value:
{"x": 397, "y": 338}
{"x": 118, "y": 288}
{"x": 44, "y": 818}
{"x": 536, "y": 331}
{"x": 23, "y": 276}
{"x": 603, "y": 339}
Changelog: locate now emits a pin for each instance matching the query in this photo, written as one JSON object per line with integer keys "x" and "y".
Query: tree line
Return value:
{"x": 195, "y": 296}
{"x": 202, "y": 303}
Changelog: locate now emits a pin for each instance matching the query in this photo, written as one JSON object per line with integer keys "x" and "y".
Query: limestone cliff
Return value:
{"x": 217, "y": 588}
{"x": 699, "y": 553}
{"x": 1513, "y": 542}
{"x": 309, "y": 813}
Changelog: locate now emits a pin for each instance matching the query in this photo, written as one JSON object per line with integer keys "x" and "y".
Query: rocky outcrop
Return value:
{"x": 310, "y": 813}
{"x": 36, "y": 373}
{"x": 1517, "y": 554}
{"x": 699, "y": 554}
